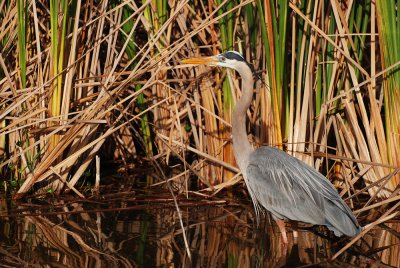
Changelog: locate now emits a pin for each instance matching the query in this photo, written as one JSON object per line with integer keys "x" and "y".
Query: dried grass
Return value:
{"x": 102, "y": 87}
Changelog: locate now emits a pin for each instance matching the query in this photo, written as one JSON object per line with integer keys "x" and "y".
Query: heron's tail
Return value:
{"x": 342, "y": 221}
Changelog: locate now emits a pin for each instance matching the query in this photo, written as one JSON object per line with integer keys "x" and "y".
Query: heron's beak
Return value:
{"x": 204, "y": 60}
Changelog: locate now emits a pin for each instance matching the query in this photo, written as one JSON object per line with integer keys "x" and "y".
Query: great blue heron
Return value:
{"x": 285, "y": 186}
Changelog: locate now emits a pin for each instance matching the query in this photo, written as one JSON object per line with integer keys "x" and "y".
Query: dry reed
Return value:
{"x": 77, "y": 82}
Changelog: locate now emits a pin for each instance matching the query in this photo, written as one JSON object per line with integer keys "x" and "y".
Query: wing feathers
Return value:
{"x": 290, "y": 189}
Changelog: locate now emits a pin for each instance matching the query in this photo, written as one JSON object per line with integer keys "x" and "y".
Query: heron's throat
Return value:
{"x": 241, "y": 144}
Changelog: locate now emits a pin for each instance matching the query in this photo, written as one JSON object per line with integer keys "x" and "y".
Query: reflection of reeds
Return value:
{"x": 55, "y": 242}
{"x": 121, "y": 231}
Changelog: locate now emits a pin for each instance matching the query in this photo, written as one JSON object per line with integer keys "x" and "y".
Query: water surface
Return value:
{"x": 130, "y": 230}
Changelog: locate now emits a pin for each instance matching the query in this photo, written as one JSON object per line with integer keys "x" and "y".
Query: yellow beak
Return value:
{"x": 204, "y": 60}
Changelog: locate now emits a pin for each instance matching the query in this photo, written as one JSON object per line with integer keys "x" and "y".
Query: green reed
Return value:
{"x": 58, "y": 39}
{"x": 273, "y": 31}
{"x": 131, "y": 51}
{"x": 22, "y": 19}
{"x": 389, "y": 32}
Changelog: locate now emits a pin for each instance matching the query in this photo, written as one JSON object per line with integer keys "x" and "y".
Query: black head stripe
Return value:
{"x": 233, "y": 55}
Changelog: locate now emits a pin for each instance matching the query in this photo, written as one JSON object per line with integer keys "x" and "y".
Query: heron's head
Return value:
{"x": 229, "y": 59}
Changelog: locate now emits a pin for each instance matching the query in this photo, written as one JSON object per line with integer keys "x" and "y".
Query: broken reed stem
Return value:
{"x": 381, "y": 203}
{"x": 201, "y": 154}
{"x": 67, "y": 183}
{"x": 365, "y": 230}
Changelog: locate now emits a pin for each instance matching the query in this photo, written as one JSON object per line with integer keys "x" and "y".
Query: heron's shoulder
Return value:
{"x": 270, "y": 156}
{"x": 270, "y": 149}
{"x": 269, "y": 153}
{"x": 269, "y": 159}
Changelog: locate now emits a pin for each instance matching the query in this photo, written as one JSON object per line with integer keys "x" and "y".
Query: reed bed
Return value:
{"x": 103, "y": 78}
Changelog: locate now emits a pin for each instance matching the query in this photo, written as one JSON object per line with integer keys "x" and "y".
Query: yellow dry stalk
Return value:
{"x": 213, "y": 144}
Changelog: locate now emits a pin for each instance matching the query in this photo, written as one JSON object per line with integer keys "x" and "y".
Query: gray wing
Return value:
{"x": 290, "y": 189}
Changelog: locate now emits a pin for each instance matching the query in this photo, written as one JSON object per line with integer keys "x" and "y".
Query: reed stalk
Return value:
{"x": 22, "y": 20}
{"x": 389, "y": 31}
{"x": 274, "y": 27}
{"x": 131, "y": 51}
{"x": 388, "y": 18}
{"x": 58, "y": 33}
{"x": 226, "y": 25}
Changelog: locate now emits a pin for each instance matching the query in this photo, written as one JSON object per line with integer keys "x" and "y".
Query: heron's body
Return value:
{"x": 290, "y": 189}
{"x": 285, "y": 186}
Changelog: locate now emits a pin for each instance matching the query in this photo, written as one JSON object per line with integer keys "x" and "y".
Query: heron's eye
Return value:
{"x": 222, "y": 58}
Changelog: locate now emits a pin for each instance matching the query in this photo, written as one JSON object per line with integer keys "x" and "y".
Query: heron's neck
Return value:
{"x": 241, "y": 144}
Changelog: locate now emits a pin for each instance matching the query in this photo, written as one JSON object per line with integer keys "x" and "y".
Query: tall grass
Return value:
{"x": 273, "y": 26}
{"x": 131, "y": 51}
{"x": 22, "y": 14}
{"x": 83, "y": 79}
{"x": 389, "y": 31}
{"x": 226, "y": 25}
{"x": 87, "y": 79}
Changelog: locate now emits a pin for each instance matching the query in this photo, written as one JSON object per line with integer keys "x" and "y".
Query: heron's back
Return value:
{"x": 290, "y": 189}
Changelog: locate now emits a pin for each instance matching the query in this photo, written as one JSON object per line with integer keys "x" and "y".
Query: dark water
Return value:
{"x": 123, "y": 230}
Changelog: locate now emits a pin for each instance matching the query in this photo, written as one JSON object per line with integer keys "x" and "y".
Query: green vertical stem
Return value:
{"x": 251, "y": 25}
{"x": 281, "y": 57}
{"x": 54, "y": 42}
{"x": 274, "y": 38}
{"x": 226, "y": 29}
{"x": 141, "y": 100}
{"x": 57, "y": 56}
{"x": 226, "y": 25}
{"x": 22, "y": 11}
{"x": 64, "y": 4}
{"x": 389, "y": 32}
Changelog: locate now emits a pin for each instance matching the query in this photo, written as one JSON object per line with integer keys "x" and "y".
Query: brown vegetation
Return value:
{"x": 84, "y": 79}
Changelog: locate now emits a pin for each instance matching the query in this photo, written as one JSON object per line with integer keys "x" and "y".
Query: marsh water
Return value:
{"x": 129, "y": 229}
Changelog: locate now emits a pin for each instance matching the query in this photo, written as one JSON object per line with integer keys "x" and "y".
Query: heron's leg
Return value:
{"x": 295, "y": 236}
{"x": 295, "y": 233}
{"x": 281, "y": 226}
